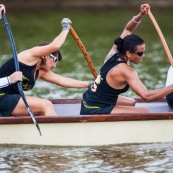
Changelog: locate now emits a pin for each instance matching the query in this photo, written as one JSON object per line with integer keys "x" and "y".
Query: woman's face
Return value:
{"x": 51, "y": 61}
{"x": 137, "y": 56}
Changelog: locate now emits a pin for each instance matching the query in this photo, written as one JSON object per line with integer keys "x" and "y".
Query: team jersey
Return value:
{"x": 101, "y": 94}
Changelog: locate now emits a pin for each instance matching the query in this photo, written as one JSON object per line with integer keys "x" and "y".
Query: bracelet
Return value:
{"x": 133, "y": 19}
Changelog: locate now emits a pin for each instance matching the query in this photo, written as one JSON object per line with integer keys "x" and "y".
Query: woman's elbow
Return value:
{"x": 54, "y": 46}
{"x": 147, "y": 98}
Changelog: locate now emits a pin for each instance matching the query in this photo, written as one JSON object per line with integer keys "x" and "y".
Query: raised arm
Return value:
{"x": 130, "y": 27}
{"x": 60, "y": 39}
{"x": 55, "y": 45}
{"x": 133, "y": 23}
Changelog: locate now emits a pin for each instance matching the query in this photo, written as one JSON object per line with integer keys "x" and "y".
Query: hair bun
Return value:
{"x": 119, "y": 42}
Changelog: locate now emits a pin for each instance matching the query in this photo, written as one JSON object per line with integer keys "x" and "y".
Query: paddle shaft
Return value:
{"x": 17, "y": 69}
{"x": 161, "y": 37}
{"x": 81, "y": 46}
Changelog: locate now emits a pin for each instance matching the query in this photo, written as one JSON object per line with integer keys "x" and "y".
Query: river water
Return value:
{"x": 97, "y": 33}
{"x": 124, "y": 158}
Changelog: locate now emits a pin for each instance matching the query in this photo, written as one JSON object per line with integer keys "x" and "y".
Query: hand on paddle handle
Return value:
{"x": 144, "y": 9}
{"x": 66, "y": 24}
{"x": 15, "y": 77}
{"x": 2, "y": 8}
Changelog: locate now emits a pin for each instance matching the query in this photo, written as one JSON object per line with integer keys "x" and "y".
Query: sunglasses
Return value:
{"x": 139, "y": 53}
{"x": 54, "y": 58}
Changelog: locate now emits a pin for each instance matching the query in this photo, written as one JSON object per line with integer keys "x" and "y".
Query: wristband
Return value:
{"x": 4, "y": 82}
{"x": 133, "y": 19}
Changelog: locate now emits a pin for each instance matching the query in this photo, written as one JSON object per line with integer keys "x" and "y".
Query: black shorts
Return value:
{"x": 169, "y": 99}
{"x": 7, "y": 103}
{"x": 89, "y": 110}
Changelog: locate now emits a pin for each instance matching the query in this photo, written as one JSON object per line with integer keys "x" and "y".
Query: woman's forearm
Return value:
{"x": 133, "y": 23}
{"x": 60, "y": 39}
{"x": 153, "y": 95}
{"x": 72, "y": 83}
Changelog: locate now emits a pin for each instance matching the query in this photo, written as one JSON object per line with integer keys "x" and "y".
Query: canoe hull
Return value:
{"x": 72, "y": 129}
{"x": 89, "y": 133}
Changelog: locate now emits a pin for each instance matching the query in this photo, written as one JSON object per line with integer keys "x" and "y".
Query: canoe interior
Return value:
{"x": 68, "y": 111}
{"x": 72, "y": 107}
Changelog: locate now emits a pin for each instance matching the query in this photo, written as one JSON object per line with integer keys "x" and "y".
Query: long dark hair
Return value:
{"x": 53, "y": 53}
{"x": 128, "y": 43}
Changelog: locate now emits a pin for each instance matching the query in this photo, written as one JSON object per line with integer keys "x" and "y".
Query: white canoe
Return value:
{"x": 72, "y": 129}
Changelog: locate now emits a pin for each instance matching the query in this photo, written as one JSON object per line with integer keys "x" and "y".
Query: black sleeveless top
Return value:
{"x": 101, "y": 93}
{"x": 28, "y": 76}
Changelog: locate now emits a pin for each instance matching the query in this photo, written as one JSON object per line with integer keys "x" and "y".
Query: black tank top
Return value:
{"x": 101, "y": 93}
{"x": 28, "y": 76}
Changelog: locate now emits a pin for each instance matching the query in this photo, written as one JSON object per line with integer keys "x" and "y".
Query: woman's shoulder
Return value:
{"x": 124, "y": 69}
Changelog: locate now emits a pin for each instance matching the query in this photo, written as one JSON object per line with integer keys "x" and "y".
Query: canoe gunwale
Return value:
{"x": 88, "y": 118}
{"x": 73, "y": 101}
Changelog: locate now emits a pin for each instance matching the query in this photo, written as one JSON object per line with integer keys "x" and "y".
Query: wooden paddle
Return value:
{"x": 17, "y": 69}
{"x": 161, "y": 37}
{"x": 81, "y": 46}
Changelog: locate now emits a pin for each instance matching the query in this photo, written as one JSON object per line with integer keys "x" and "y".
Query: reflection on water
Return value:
{"x": 129, "y": 158}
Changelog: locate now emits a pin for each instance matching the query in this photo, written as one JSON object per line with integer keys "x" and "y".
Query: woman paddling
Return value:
{"x": 36, "y": 63}
{"x": 116, "y": 76}
{"x": 14, "y": 77}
